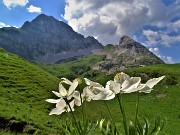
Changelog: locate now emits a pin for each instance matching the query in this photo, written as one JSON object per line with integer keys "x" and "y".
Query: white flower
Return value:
{"x": 66, "y": 93}
{"x": 61, "y": 106}
{"x": 123, "y": 83}
{"x": 91, "y": 83}
{"x": 114, "y": 86}
{"x": 121, "y": 77}
{"x": 65, "y": 80}
{"x": 95, "y": 91}
{"x": 77, "y": 98}
{"x": 147, "y": 87}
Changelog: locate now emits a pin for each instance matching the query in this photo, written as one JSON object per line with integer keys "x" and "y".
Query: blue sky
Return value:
{"x": 154, "y": 23}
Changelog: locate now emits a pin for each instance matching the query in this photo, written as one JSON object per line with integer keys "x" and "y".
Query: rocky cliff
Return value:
{"x": 127, "y": 54}
{"x": 47, "y": 40}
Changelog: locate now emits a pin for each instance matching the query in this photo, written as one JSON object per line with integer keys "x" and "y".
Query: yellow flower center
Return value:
{"x": 79, "y": 80}
{"x": 118, "y": 75}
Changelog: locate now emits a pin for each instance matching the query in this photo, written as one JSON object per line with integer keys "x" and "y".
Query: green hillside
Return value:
{"x": 24, "y": 87}
{"x": 74, "y": 68}
{"x": 172, "y": 72}
{"x": 164, "y": 100}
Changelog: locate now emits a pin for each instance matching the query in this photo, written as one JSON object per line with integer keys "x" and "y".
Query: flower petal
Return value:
{"x": 62, "y": 90}
{"x": 135, "y": 81}
{"x": 130, "y": 89}
{"x": 113, "y": 86}
{"x": 91, "y": 83}
{"x": 125, "y": 84}
{"x": 77, "y": 98}
{"x": 61, "y": 104}
{"x": 56, "y": 93}
{"x": 103, "y": 94}
{"x": 57, "y": 111}
{"x": 150, "y": 83}
{"x": 144, "y": 88}
{"x": 87, "y": 93}
{"x": 121, "y": 77}
{"x": 52, "y": 100}
{"x": 65, "y": 80}
{"x": 131, "y": 86}
{"x": 71, "y": 105}
{"x": 72, "y": 87}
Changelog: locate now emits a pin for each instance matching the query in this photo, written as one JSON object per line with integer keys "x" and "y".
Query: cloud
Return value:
{"x": 33, "y": 9}
{"x": 152, "y": 37}
{"x": 3, "y": 25}
{"x": 167, "y": 40}
{"x": 155, "y": 51}
{"x": 109, "y": 20}
{"x": 13, "y": 3}
{"x": 160, "y": 37}
{"x": 166, "y": 59}
{"x": 175, "y": 26}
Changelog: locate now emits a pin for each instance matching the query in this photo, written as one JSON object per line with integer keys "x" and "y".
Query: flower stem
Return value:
{"x": 73, "y": 116}
{"x": 137, "y": 109}
{"x": 123, "y": 113}
{"x": 83, "y": 110}
{"x": 110, "y": 115}
{"x": 108, "y": 111}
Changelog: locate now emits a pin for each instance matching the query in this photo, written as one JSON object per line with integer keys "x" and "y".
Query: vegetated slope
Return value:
{"x": 23, "y": 89}
{"x": 171, "y": 71}
{"x": 73, "y": 69}
{"x": 163, "y": 100}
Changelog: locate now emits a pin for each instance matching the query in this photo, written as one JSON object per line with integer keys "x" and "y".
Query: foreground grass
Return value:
{"x": 164, "y": 100}
{"x": 24, "y": 87}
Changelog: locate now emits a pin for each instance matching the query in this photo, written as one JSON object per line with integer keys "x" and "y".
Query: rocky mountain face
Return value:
{"x": 127, "y": 54}
{"x": 46, "y": 40}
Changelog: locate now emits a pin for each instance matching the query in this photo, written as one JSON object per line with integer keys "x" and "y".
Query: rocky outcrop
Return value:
{"x": 127, "y": 54}
{"x": 47, "y": 40}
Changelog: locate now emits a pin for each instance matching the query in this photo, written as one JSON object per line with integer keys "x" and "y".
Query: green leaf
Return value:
{"x": 139, "y": 127}
{"x": 132, "y": 128}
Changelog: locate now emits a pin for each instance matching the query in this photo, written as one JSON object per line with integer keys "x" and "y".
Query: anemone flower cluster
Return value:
{"x": 67, "y": 97}
{"x": 122, "y": 83}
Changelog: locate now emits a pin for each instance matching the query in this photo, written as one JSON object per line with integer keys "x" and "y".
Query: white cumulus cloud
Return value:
{"x": 155, "y": 51}
{"x": 109, "y": 20}
{"x": 160, "y": 38}
{"x": 152, "y": 37}
{"x": 166, "y": 59}
{"x": 167, "y": 40}
{"x": 13, "y": 3}
{"x": 3, "y": 25}
{"x": 34, "y": 9}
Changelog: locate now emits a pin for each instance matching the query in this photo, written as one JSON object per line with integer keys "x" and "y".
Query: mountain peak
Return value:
{"x": 48, "y": 40}
{"x": 127, "y": 54}
{"x": 46, "y": 23}
{"x": 44, "y": 17}
{"x": 126, "y": 39}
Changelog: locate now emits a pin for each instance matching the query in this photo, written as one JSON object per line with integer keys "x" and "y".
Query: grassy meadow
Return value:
{"x": 24, "y": 86}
